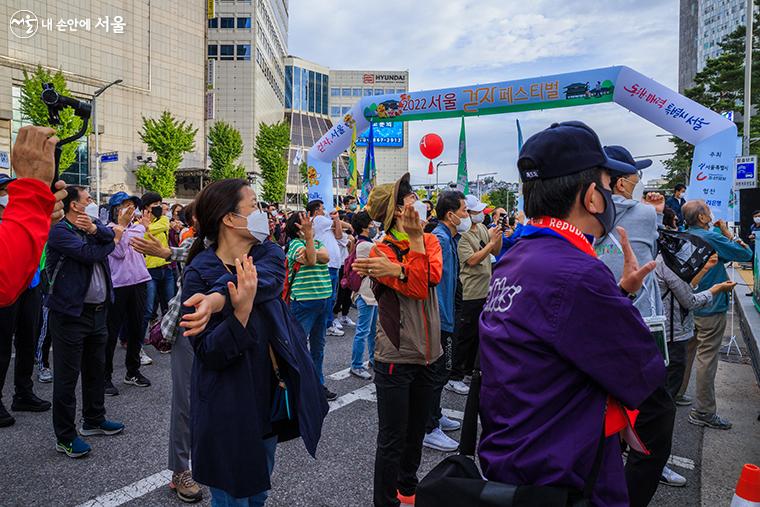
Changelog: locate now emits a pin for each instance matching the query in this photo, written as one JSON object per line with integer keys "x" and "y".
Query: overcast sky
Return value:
{"x": 448, "y": 43}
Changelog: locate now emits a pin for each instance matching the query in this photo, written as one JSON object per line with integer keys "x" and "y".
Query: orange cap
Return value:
{"x": 748, "y": 487}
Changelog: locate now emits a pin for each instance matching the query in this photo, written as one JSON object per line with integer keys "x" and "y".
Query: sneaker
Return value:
{"x": 447, "y": 424}
{"x": 671, "y": 478}
{"x": 329, "y": 394}
{"x": 334, "y": 331}
{"x": 405, "y": 500}
{"x": 457, "y": 386}
{"x": 5, "y": 418}
{"x": 437, "y": 440}
{"x": 683, "y": 400}
{"x": 44, "y": 375}
{"x": 138, "y": 379}
{"x": 337, "y": 324}
{"x": 710, "y": 420}
{"x": 30, "y": 403}
{"x": 186, "y": 488}
{"x": 346, "y": 321}
{"x": 145, "y": 359}
{"x": 75, "y": 449}
{"x": 110, "y": 389}
{"x": 105, "y": 428}
{"x": 361, "y": 373}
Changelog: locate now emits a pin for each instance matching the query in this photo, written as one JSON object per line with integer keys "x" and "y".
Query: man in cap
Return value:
{"x": 406, "y": 266}
{"x": 560, "y": 338}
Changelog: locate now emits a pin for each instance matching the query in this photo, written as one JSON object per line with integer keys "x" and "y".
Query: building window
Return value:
{"x": 379, "y": 91}
{"x": 312, "y": 92}
{"x": 334, "y": 92}
{"x": 346, "y": 109}
{"x": 325, "y": 84}
{"x": 357, "y": 92}
{"x": 297, "y": 88}
{"x": 244, "y": 22}
{"x": 288, "y": 86}
{"x": 400, "y": 90}
{"x": 346, "y": 92}
{"x": 335, "y": 111}
{"x": 227, "y": 52}
{"x": 243, "y": 51}
{"x": 227, "y": 23}
{"x": 213, "y": 51}
{"x": 213, "y": 23}
{"x": 368, "y": 92}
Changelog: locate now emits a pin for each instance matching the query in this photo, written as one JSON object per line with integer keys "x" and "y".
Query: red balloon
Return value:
{"x": 431, "y": 146}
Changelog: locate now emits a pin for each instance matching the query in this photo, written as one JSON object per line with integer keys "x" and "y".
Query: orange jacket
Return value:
{"x": 422, "y": 270}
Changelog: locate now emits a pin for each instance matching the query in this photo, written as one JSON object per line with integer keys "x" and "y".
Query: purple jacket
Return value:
{"x": 128, "y": 266}
{"x": 556, "y": 337}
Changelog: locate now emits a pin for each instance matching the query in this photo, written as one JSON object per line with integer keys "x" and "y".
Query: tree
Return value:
{"x": 225, "y": 147}
{"x": 34, "y": 110}
{"x": 502, "y": 197}
{"x": 720, "y": 87}
{"x": 169, "y": 139}
{"x": 272, "y": 143}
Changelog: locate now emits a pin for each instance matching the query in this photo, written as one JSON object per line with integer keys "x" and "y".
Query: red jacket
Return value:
{"x": 23, "y": 232}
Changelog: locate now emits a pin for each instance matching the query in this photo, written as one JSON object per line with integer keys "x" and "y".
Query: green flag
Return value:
{"x": 462, "y": 181}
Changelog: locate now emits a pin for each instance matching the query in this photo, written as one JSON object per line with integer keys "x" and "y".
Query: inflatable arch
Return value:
{"x": 713, "y": 136}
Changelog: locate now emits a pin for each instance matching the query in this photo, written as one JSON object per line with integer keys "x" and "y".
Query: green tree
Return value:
{"x": 225, "y": 147}
{"x": 169, "y": 139}
{"x": 720, "y": 87}
{"x": 272, "y": 143}
{"x": 501, "y": 198}
{"x": 35, "y": 111}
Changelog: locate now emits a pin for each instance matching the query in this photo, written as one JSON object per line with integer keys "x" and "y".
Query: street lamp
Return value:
{"x": 439, "y": 164}
{"x": 95, "y": 95}
{"x": 511, "y": 187}
{"x": 477, "y": 180}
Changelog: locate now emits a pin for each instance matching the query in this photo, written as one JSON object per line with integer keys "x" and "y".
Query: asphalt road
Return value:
{"x": 131, "y": 468}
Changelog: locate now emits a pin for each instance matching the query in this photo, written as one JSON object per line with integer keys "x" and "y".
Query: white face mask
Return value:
{"x": 464, "y": 224}
{"x": 756, "y": 219}
{"x": 91, "y": 210}
{"x": 4, "y": 200}
{"x": 478, "y": 219}
{"x": 420, "y": 208}
{"x": 258, "y": 225}
{"x": 638, "y": 192}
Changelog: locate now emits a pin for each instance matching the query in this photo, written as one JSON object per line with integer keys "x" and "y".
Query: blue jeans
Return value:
{"x": 366, "y": 327}
{"x": 220, "y": 498}
{"x": 334, "y": 278}
{"x": 311, "y": 315}
{"x": 161, "y": 288}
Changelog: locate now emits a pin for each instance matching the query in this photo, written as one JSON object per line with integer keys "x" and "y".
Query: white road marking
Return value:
{"x": 340, "y": 375}
{"x": 131, "y": 491}
{"x": 363, "y": 393}
{"x": 678, "y": 461}
{"x": 453, "y": 414}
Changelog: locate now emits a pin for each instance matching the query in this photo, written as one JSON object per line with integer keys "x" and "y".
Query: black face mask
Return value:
{"x": 608, "y": 216}
{"x": 157, "y": 212}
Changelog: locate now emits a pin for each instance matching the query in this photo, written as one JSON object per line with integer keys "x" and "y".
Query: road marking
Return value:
{"x": 453, "y": 414}
{"x": 363, "y": 393}
{"x": 678, "y": 461}
{"x": 340, "y": 375}
{"x": 131, "y": 491}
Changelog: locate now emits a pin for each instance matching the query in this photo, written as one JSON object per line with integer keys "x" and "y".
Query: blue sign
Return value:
{"x": 109, "y": 157}
{"x": 746, "y": 175}
{"x": 387, "y": 133}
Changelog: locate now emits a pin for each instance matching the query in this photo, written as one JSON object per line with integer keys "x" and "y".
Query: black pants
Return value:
{"x": 343, "y": 298}
{"x": 22, "y": 320}
{"x": 80, "y": 347}
{"x": 466, "y": 338}
{"x": 676, "y": 367}
{"x": 404, "y": 396}
{"x": 655, "y": 427}
{"x": 441, "y": 370}
{"x": 127, "y": 310}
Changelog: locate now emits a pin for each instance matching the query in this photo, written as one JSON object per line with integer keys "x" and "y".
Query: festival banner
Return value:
{"x": 463, "y": 183}
{"x": 353, "y": 171}
{"x": 370, "y": 172}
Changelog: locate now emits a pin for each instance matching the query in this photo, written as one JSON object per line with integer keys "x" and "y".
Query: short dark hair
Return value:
{"x": 313, "y": 206}
{"x": 149, "y": 199}
{"x": 360, "y": 221}
{"x": 348, "y": 198}
{"x": 291, "y": 229}
{"x": 404, "y": 189}
{"x": 669, "y": 218}
{"x": 679, "y": 187}
{"x": 449, "y": 200}
{"x": 72, "y": 195}
{"x": 555, "y": 197}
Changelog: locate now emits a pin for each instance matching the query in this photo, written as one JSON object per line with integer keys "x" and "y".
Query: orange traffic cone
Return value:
{"x": 748, "y": 488}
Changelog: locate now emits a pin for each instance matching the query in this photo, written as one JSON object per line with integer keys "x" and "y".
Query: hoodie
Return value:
{"x": 641, "y": 222}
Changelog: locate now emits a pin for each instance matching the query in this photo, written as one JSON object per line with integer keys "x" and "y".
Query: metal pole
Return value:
{"x": 748, "y": 15}
{"x": 97, "y": 150}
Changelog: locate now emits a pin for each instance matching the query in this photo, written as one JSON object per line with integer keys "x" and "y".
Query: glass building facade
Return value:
{"x": 306, "y": 90}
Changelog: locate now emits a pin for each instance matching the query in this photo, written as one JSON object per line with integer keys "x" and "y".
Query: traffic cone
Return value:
{"x": 748, "y": 488}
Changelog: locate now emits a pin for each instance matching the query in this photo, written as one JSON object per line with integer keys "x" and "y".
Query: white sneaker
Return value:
{"x": 457, "y": 386}
{"x": 336, "y": 324}
{"x": 437, "y": 440}
{"x": 447, "y": 424}
{"x": 361, "y": 373}
{"x": 671, "y": 478}
{"x": 145, "y": 359}
{"x": 334, "y": 331}
{"x": 346, "y": 321}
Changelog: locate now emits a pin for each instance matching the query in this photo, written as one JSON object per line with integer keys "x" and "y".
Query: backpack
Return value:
{"x": 351, "y": 279}
{"x": 684, "y": 253}
{"x": 288, "y": 285}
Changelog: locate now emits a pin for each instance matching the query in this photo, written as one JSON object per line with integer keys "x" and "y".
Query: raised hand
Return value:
{"x": 125, "y": 215}
{"x": 656, "y": 200}
{"x": 33, "y": 154}
{"x": 60, "y": 194}
{"x": 85, "y": 223}
{"x": 378, "y": 267}
{"x": 305, "y": 226}
{"x": 633, "y": 275}
{"x": 410, "y": 222}
{"x": 242, "y": 295}
{"x": 150, "y": 246}
{"x": 205, "y": 305}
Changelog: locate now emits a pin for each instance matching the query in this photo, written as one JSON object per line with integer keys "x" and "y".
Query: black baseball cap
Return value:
{"x": 623, "y": 155}
{"x": 563, "y": 149}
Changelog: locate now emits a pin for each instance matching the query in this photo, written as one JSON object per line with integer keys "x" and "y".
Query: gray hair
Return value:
{"x": 691, "y": 211}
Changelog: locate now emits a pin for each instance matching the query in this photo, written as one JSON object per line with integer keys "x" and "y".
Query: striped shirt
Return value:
{"x": 311, "y": 282}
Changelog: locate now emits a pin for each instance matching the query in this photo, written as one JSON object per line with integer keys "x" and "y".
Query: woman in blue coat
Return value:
{"x": 239, "y": 409}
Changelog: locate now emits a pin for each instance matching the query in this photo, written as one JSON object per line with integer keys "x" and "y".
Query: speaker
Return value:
{"x": 749, "y": 202}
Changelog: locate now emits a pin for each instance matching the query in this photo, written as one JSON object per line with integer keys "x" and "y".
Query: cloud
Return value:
{"x": 444, "y": 43}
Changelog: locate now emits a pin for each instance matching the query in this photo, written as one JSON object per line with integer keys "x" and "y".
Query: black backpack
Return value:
{"x": 684, "y": 253}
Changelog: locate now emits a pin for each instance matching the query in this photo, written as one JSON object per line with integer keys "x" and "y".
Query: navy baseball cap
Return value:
{"x": 563, "y": 149}
{"x": 5, "y": 179}
{"x": 623, "y": 155}
{"x": 119, "y": 197}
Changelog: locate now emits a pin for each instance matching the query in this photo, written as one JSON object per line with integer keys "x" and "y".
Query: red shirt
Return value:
{"x": 23, "y": 233}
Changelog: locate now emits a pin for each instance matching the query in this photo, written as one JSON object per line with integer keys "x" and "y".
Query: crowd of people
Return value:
{"x": 560, "y": 313}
